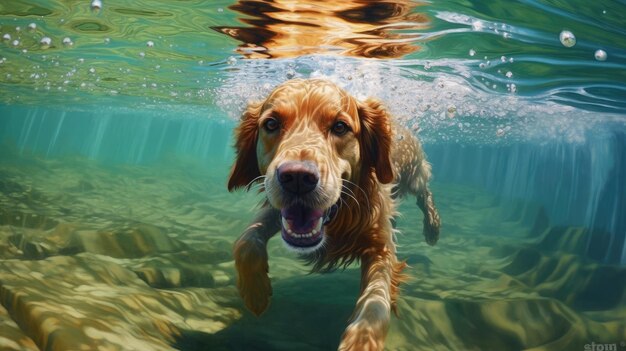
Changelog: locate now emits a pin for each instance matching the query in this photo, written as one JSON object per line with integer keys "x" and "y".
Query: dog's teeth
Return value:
{"x": 285, "y": 223}
{"x": 314, "y": 231}
{"x": 320, "y": 222}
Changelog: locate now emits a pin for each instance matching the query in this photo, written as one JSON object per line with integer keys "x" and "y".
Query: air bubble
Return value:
{"x": 290, "y": 74}
{"x": 142, "y": 54}
{"x": 96, "y": 5}
{"x": 509, "y": 74}
{"x": 32, "y": 26}
{"x": 67, "y": 41}
{"x": 477, "y": 25}
{"x": 15, "y": 42}
{"x": 600, "y": 55}
{"x": 503, "y": 58}
{"x": 6, "y": 37}
{"x": 451, "y": 111}
{"x": 567, "y": 38}
{"x": 45, "y": 42}
{"x": 231, "y": 60}
{"x": 427, "y": 66}
{"x": 92, "y": 70}
{"x": 500, "y": 132}
{"x": 107, "y": 40}
{"x": 150, "y": 44}
{"x": 472, "y": 52}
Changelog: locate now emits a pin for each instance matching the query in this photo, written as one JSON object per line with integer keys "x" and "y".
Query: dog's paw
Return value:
{"x": 253, "y": 282}
{"x": 431, "y": 231}
{"x": 360, "y": 336}
{"x": 255, "y": 292}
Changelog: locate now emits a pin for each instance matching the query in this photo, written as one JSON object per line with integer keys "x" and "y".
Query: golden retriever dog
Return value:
{"x": 330, "y": 167}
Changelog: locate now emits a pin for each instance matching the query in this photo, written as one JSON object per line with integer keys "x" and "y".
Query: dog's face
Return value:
{"x": 312, "y": 142}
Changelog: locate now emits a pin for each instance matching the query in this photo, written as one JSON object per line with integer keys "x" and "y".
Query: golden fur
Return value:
{"x": 362, "y": 171}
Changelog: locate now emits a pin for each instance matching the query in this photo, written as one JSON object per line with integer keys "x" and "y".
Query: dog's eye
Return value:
{"x": 340, "y": 128}
{"x": 271, "y": 124}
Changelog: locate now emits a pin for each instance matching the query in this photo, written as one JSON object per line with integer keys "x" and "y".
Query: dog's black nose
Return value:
{"x": 298, "y": 177}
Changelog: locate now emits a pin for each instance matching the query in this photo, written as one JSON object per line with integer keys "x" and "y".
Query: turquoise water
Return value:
{"x": 116, "y": 140}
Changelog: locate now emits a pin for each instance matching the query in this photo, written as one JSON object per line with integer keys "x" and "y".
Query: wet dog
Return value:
{"x": 331, "y": 167}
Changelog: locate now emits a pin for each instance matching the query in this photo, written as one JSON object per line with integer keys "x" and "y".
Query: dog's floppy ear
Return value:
{"x": 376, "y": 139}
{"x": 246, "y": 168}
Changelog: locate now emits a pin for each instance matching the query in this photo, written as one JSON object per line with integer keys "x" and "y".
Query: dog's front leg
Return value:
{"x": 370, "y": 319}
{"x": 250, "y": 254}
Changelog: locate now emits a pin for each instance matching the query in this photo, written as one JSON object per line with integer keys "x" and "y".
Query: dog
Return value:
{"x": 332, "y": 168}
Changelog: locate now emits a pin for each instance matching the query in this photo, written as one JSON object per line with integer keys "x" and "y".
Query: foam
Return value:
{"x": 437, "y": 99}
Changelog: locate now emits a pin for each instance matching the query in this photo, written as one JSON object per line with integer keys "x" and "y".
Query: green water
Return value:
{"x": 116, "y": 228}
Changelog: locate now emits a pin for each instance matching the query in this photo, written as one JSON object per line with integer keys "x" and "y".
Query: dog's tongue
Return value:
{"x": 301, "y": 219}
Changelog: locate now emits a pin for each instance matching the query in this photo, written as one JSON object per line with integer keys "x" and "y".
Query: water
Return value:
{"x": 116, "y": 118}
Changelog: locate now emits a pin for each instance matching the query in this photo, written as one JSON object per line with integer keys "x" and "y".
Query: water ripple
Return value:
{"x": 201, "y": 55}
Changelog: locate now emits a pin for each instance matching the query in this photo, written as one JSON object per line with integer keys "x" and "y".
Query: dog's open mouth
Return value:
{"x": 303, "y": 227}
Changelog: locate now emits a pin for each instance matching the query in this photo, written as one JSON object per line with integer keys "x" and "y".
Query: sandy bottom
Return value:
{"x": 108, "y": 257}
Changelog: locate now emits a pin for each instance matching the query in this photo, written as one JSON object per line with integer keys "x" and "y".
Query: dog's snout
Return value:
{"x": 298, "y": 177}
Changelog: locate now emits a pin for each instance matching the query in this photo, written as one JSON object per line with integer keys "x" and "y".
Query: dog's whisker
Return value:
{"x": 254, "y": 181}
{"x": 341, "y": 203}
{"x": 368, "y": 208}
{"x": 351, "y": 197}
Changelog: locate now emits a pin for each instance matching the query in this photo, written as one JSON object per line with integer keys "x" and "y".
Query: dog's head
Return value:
{"x": 314, "y": 144}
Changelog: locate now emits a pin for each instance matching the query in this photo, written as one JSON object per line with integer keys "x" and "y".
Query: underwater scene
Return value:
{"x": 117, "y": 139}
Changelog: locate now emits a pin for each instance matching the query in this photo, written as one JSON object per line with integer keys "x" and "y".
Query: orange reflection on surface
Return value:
{"x": 287, "y": 28}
